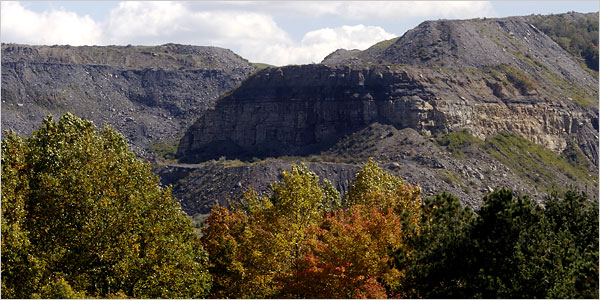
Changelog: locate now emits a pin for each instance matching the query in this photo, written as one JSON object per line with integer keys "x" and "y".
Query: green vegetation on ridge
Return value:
{"x": 511, "y": 76}
{"x": 528, "y": 160}
{"x": 576, "y": 33}
{"x": 456, "y": 141}
{"x": 383, "y": 44}
{"x": 260, "y": 66}
{"x": 533, "y": 161}
{"x": 166, "y": 151}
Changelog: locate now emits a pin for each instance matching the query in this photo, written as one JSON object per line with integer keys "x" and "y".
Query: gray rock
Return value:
{"x": 160, "y": 95}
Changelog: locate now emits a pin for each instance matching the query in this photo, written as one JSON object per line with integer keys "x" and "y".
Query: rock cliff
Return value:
{"x": 300, "y": 110}
{"x": 456, "y": 162}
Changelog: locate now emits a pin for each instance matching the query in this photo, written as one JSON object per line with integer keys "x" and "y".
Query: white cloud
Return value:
{"x": 362, "y": 10}
{"x": 317, "y": 44}
{"x": 253, "y": 35}
{"x": 405, "y": 9}
{"x": 248, "y": 28}
{"x": 162, "y": 22}
{"x": 52, "y": 27}
{"x": 151, "y": 23}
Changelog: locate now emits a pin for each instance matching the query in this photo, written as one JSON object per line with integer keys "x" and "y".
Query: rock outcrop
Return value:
{"x": 468, "y": 170}
{"x": 150, "y": 94}
{"x": 301, "y": 110}
{"x": 490, "y": 82}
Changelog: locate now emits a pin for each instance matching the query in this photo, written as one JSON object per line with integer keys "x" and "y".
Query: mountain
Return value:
{"x": 463, "y": 106}
{"x": 486, "y": 76}
{"x": 484, "y": 42}
{"x": 526, "y": 108}
{"x": 150, "y": 94}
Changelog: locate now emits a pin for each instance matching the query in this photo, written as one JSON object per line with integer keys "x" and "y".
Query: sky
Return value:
{"x": 273, "y": 32}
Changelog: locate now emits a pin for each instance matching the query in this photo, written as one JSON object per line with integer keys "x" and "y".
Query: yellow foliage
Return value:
{"x": 299, "y": 242}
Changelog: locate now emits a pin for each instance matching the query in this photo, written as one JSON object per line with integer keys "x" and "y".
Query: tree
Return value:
{"x": 437, "y": 259}
{"x": 256, "y": 244}
{"x": 577, "y": 34}
{"x": 513, "y": 248}
{"x": 526, "y": 251}
{"x": 572, "y": 251}
{"x": 374, "y": 187}
{"x": 299, "y": 242}
{"x": 499, "y": 232}
{"x": 385, "y": 242}
{"x": 348, "y": 252}
{"x": 347, "y": 256}
{"x": 84, "y": 215}
{"x": 21, "y": 270}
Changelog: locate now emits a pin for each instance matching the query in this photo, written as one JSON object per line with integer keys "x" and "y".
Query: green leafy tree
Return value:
{"x": 375, "y": 187}
{"x": 84, "y": 215}
{"x": 59, "y": 289}
{"x": 577, "y": 35}
{"x": 21, "y": 269}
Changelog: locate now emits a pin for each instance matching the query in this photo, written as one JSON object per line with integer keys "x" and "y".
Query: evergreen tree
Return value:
{"x": 438, "y": 259}
{"x": 513, "y": 248}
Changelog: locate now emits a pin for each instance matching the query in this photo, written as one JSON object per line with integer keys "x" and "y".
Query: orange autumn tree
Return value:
{"x": 348, "y": 253}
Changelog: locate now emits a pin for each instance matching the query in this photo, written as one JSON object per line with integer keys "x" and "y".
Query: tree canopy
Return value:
{"x": 386, "y": 241}
{"x": 83, "y": 217}
{"x": 512, "y": 248}
{"x": 579, "y": 35}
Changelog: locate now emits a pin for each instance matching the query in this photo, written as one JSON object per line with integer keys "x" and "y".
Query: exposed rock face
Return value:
{"x": 304, "y": 109}
{"x": 150, "y": 94}
{"x": 561, "y": 102}
{"x": 298, "y": 110}
{"x": 389, "y": 102}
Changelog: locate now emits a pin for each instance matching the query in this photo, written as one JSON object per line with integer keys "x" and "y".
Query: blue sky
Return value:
{"x": 279, "y": 33}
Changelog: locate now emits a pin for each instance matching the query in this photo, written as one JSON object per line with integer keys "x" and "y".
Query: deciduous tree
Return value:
{"x": 258, "y": 242}
{"x": 84, "y": 215}
{"x": 348, "y": 253}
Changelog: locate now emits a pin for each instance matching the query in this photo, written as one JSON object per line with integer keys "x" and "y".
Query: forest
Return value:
{"x": 82, "y": 217}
